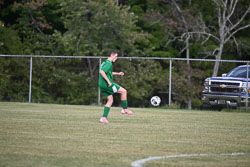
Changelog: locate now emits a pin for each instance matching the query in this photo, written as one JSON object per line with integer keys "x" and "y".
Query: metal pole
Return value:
{"x": 170, "y": 82}
{"x": 99, "y": 92}
{"x": 247, "y": 87}
{"x": 30, "y": 79}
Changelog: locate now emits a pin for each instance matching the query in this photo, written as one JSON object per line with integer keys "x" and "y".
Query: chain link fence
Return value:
{"x": 179, "y": 82}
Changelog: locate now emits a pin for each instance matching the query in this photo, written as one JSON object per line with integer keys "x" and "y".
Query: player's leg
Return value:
{"x": 123, "y": 93}
{"x": 124, "y": 101}
{"x": 109, "y": 103}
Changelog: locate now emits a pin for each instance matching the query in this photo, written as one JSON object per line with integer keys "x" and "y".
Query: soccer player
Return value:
{"x": 108, "y": 87}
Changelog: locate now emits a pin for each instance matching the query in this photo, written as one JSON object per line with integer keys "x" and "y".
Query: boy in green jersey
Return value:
{"x": 108, "y": 87}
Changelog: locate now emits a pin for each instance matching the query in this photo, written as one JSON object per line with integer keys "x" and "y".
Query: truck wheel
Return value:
{"x": 205, "y": 107}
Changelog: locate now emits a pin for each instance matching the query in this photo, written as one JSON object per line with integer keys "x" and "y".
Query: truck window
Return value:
{"x": 240, "y": 72}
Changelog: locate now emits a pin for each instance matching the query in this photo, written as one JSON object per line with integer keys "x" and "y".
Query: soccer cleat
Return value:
{"x": 104, "y": 120}
{"x": 126, "y": 111}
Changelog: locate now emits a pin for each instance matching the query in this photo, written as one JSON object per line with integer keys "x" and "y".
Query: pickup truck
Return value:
{"x": 232, "y": 90}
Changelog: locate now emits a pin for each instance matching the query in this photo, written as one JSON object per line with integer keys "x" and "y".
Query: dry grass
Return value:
{"x": 67, "y": 135}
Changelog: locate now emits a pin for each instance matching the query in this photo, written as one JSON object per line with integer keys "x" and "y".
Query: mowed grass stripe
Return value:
{"x": 70, "y": 135}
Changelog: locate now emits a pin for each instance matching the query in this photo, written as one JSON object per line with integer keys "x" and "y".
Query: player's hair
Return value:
{"x": 112, "y": 52}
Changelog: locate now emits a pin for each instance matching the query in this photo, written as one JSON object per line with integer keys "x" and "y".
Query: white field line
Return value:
{"x": 140, "y": 162}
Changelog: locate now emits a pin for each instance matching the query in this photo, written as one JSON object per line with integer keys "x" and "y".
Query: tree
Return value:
{"x": 176, "y": 20}
{"x": 13, "y": 78}
{"x": 230, "y": 21}
{"x": 36, "y": 24}
{"x": 188, "y": 23}
{"x": 228, "y": 27}
{"x": 96, "y": 27}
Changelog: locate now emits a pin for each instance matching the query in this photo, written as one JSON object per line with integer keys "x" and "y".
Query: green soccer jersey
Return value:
{"x": 107, "y": 68}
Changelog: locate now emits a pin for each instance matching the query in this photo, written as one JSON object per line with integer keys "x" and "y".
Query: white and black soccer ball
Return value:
{"x": 155, "y": 100}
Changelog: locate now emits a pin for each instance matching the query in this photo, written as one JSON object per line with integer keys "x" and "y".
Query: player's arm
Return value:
{"x": 105, "y": 77}
{"x": 118, "y": 73}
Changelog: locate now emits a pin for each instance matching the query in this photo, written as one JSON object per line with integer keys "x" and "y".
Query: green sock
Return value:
{"x": 124, "y": 104}
{"x": 106, "y": 111}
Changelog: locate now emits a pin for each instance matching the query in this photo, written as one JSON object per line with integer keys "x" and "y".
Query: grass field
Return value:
{"x": 70, "y": 136}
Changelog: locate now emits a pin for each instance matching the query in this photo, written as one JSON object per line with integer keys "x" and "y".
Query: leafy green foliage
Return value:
{"x": 7, "y": 39}
{"x": 14, "y": 79}
{"x": 150, "y": 28}
{"x": 94, "y": 27}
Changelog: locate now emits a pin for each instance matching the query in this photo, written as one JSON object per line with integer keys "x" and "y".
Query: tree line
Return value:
{"x": 213, "y": 29}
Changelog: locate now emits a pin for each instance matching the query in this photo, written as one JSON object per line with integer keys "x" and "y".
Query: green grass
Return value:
{"x": 67, "y": 135}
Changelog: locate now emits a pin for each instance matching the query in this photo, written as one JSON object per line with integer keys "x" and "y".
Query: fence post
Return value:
{"x": 247, "y": 87}
{"x": 170, "y": 82}
{"x": 30, "y": 79}
{"x": 99, "y": 92}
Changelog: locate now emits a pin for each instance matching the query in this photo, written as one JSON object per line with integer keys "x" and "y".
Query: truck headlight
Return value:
{"x": 244, "y": 84}
{"x": 245, "y": 87}
{"x": 206, "y": 83}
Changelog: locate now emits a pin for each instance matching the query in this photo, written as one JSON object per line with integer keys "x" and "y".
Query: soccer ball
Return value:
{"x": 155, "y": 100}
